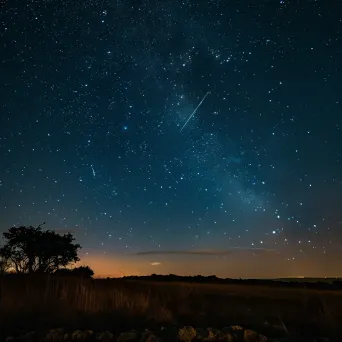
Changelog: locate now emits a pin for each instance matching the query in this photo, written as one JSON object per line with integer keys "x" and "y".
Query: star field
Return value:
{"x": 97, "y": 135}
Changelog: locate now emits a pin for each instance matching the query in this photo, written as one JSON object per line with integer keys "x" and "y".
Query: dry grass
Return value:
{"x": 40, "y": 301}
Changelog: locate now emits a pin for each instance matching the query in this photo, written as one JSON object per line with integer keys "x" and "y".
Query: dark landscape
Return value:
{"x": 41, "y": 289}
{"x": 274, "y": 309}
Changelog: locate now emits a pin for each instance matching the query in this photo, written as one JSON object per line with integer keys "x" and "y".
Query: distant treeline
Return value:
{"x": 311, "y": 283}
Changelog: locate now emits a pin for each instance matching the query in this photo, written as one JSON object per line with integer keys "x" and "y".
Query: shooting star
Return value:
{"x": 94, "y": 174}
{"x": 193, "y": 113}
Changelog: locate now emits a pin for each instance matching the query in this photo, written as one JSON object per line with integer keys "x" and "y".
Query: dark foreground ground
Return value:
{"x": 40, "y": 303}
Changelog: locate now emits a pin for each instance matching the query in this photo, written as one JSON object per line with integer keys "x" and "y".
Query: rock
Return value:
{"x": 106, "y": 336}
{"x": 153, "y": 338}
{"x": 77, "y": 335}
{"x": 234, "y": 333}
{"x": 28, "y": 337}
{"x": 208, "y": 334}
{"x": 230, "y": 334}
{"x": 226, "y": 335}
{"x": 80, "y": 335}
{"x": 130, "y": 336}
{"x": 237, "y": 327}
{"x": 213, "y": 334}
{"x": 252, "y": 336}
{"x": 186, "y": 334}
{"x": 145, "y": 335}
{"x": 55, "y": 335}
{"x": 149, "y": 336}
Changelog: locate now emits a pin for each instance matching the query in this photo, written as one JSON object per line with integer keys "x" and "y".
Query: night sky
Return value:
{"x": 176, "y": 136}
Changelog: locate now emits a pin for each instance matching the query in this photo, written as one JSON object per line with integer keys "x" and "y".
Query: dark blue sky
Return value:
{"x": 93, "y": 99}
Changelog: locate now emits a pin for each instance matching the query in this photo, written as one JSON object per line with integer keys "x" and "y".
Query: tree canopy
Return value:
{"x": 30, "y": 249}
{"x": 80, "y": 272}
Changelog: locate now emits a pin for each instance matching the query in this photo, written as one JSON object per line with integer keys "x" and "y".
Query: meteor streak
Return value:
{"x": 94, "y": 174}
{"x": 193, "y": 113}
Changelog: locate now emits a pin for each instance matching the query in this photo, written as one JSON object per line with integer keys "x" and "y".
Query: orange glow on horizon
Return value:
{"x": 235, "y": 266}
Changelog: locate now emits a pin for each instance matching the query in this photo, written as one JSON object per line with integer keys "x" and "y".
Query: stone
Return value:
{"x": 237, "y": 327}
{"x": 226, "y": 335}
{"x": 80, "y": 335}
{"x": 153, "y": 338}
{"x": 212, "y": 334}
{"x": 252, "y": 336}
{"x": 28, "y": 337}
{"x": 55, "y": 335}
{"x": 148, "y": 336}
{"x": 130, "y": 336}
{"x": 106, "y": 336}
{"x": 186, "y": 334}
{"x": 230, "y": 334}
{"x": 145, "y": 335}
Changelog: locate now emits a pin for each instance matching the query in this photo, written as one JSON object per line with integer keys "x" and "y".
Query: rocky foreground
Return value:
{"x": 186, "y": 334}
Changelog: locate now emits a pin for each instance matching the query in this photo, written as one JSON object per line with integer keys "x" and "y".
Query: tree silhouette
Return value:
{"x": 30, "y": 249}
{"x": 82, "y": 271}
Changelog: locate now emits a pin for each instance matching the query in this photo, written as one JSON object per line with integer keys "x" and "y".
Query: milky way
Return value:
{"x": 99, "y": 132}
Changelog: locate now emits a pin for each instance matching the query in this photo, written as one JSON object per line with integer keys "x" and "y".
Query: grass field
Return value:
{"x": 41, "y": 302}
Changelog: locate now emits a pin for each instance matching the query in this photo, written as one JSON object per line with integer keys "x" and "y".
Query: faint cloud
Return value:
{"x": 156, "y": 263}
{"x": 208, "y": 251}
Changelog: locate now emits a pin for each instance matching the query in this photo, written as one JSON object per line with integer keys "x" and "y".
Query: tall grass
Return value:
{"x": 48, "y": 301}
